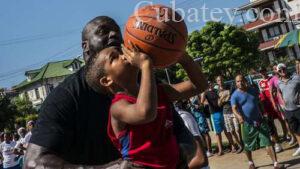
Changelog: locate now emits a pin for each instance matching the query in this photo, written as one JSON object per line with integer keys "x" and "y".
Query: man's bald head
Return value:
{"x": 99, "y": 33}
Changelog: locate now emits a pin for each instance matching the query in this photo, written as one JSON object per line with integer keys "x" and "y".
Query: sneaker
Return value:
{"x": 252, "y": 166}
{"x": 278, "y": 148}
{"x": 279, "y": 166}
{"x": 292, "y": 141}
{"x": 297, "y": 152}
{"x": 209, "y": 154}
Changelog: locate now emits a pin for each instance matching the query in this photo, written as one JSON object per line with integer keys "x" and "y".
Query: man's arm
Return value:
{"x": 46, "y": 142}
{"x": 200, "y": 160}
{"x": 41, "y": 157}
{"x": 272, "y": 96}
{"x": 192, "y": 87}
{"x": 235, "y": 109}
{"x": 184, "y": 139}
{"x": 237, "y": 114}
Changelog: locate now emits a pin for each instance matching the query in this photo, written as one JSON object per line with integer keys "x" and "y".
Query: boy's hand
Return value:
{"x": 135, "y": 57}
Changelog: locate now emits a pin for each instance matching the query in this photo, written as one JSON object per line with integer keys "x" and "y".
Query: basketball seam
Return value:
{"x": 162, "y": 22}
{"x": 150, "y": 42}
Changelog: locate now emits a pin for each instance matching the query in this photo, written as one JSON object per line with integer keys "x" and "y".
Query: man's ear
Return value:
{"x": 85, "y": 46}
{"x": 106, "y": 81}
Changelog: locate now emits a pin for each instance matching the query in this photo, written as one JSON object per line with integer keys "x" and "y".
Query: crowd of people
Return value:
{"x": 246, "y": 113}
{"x": 13, "y": 146}
{"x": 103, "y": 116}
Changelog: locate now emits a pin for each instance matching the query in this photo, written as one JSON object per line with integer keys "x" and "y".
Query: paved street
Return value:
{"x": 261, "y": 159}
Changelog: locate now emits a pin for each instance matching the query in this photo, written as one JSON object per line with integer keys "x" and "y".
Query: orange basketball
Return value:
{"x": 158, "y": 31}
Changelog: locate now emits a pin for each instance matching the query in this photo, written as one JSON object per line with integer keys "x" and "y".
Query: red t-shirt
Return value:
{"x": 153, "y": 144}
{"x": 265, "y": 97}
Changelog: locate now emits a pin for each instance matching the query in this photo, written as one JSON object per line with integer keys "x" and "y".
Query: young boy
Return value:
{"x": 140, "y": 123}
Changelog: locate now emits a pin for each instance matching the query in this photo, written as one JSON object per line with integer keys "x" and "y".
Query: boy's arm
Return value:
{"x": 187, "y": 89}
{"x": 144, "y": 110}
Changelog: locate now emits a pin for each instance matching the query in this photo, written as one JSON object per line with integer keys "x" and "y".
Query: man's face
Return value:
{"x": 7, "y": 137}
{"x": 282, "y": 72}
{"x": 263, "y": 73}
{"x": 104, "y": 35}
{"x": 275, "y": 69}
{"x": 29, "y": 127}
{"x": 240, "y": 82}
{"x": 219, "y": 80}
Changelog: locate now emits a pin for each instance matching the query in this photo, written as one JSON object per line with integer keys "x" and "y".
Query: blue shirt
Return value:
{"x": 247, "y": 103}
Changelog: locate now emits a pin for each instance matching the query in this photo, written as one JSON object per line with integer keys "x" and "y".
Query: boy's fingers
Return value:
{"x": 134, "y": 48}
{"x": 126, "y": 51}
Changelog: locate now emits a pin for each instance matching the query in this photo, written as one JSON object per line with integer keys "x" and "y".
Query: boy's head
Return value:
{"x": 109, "y": 69}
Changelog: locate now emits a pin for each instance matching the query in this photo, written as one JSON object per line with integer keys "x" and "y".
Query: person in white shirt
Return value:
{"x": 30, "y": 125}
{"x": 1, "y": 158}
{"x": 7, "y": 151}
{"x": 19, "y": 149}
{"x": 200, "y": 160}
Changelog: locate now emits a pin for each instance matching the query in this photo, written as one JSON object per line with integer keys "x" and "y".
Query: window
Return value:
{"x": 273, "y": 32}
{"x": 75, "y": 66}
{"x": 51, "y": 87}
{"x": 37, "y": 94}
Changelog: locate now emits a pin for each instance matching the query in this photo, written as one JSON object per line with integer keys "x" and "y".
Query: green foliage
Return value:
{"x": 7, "y": 113}
{"x": 16, "y": 111}
{"x": 225, "y": 49}
{"x": 24, "y": 105}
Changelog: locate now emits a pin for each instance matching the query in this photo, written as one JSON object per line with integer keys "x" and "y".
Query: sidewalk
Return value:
{"x": 260, "y": 157}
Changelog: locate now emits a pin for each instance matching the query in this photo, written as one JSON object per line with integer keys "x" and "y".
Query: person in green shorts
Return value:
{"x": 255, "y": 131}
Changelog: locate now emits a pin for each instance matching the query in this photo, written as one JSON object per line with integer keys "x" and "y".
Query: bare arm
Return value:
{"x": 272, "y": 97}
{"x": 200, "y": 160}
{"x": 237, "y": 113}
{"x": 192, "y": 87}
{"x": 41, "y": 157}
{"x": 144, "y": 110}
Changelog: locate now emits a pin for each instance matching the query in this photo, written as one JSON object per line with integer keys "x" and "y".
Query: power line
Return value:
{"x": 36, "y": 37}
{"x": 56, "y": 55}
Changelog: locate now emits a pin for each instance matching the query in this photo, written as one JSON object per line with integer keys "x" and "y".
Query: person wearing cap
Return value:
{"x": 289, "y": 87}
{"x": 277, "y": 103}
{"x": 269, "y": 113}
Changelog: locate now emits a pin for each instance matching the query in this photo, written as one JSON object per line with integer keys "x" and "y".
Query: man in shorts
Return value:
{"x": 230, "y": 122}
{"x": 216, "y": 114}
{"x": 198, "y": 112}
{"x": 255, "y": 131}
{"x": 289, "y": 87}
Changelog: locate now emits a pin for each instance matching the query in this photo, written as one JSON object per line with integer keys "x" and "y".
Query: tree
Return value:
{"x": 24, "y": 105}
{"x": 225, "y": 49}
{"x": 7, "y": 113}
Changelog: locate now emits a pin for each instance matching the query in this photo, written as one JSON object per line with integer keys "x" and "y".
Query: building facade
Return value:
{"x": 40, "y": 82}
{"x": 272, "y": 19}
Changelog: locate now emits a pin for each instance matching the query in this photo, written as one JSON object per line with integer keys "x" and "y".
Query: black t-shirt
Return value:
{"x": 73, "y": 121}
{"x": 212, "y": 99}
